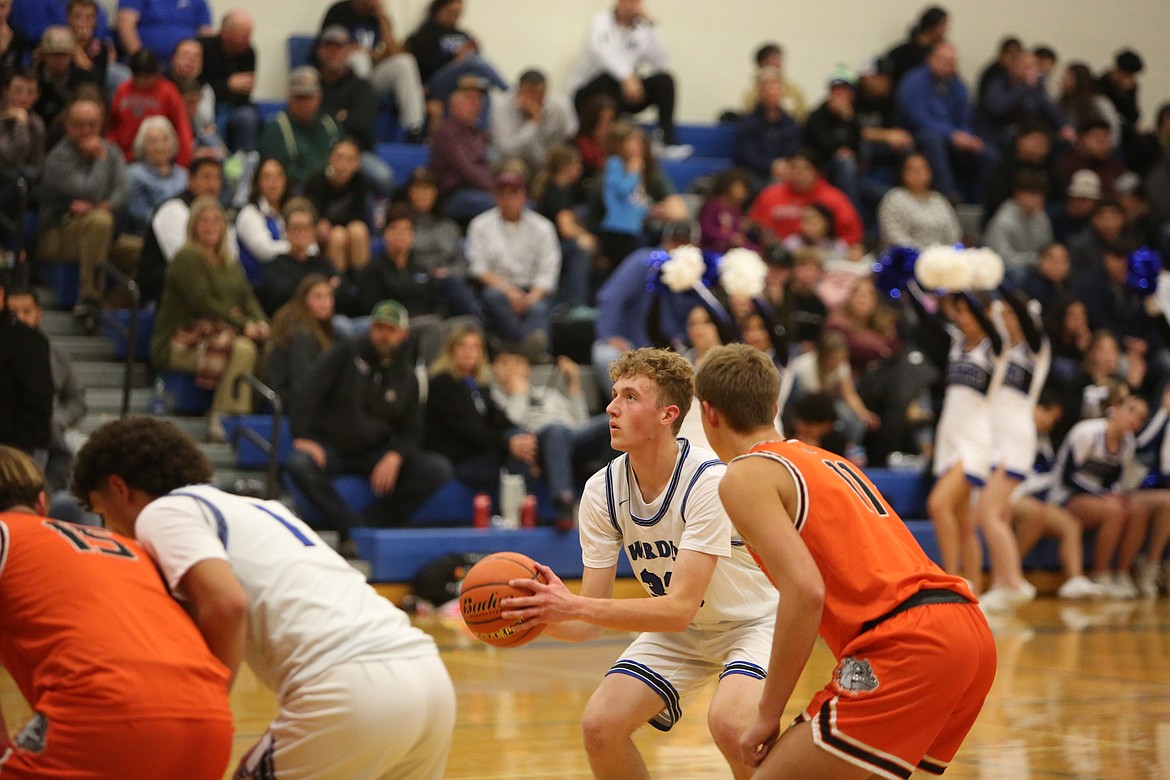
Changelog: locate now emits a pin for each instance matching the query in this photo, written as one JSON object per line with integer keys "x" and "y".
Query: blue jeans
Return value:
{"x": 443, "y": 81}
{"x": 511, "y": 326}
{"x": 422, "y": 473}
{"x": 576, "y": 267}
{"x": 466, "y": 203}
{"x": 944, "y": 160}
{"x": 562, "y": 446}
{"x": 457, "y": 296}
{"x": 239, "y": 126}
{"x": 379, "y": 175}
{"x": 845, "y": 175}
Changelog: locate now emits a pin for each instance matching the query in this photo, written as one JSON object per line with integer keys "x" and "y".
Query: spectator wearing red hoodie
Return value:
{"x": 779, "y": 207}
{"x": 147, "y": 94}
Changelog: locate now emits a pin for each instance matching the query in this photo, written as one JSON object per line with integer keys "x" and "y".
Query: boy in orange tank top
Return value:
{"x": 915, "y": 656}
{"x": 120, "y": 682}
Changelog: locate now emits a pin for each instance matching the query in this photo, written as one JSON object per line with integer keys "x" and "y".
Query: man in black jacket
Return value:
{"x": 26, "y": 381}
{"x": 359, "y": 412}
{"x": 229, "y": 66}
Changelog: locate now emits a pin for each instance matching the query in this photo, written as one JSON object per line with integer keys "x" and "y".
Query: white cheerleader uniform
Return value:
{"x": 964, "y": 432}
{"x": 1012, "y": 402}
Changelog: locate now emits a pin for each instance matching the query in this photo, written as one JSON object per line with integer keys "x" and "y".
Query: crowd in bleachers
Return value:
{"x": 140, "y": 144}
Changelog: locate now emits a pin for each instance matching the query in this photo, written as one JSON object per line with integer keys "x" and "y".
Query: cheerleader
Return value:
{"x": 963, "y": 438}
{"x": 1089, "y": 469}
{"x": 1027, "y": 357}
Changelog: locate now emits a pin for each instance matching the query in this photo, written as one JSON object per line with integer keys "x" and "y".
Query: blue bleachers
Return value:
{"x": 398, "y": 555}
{"x": 248, "y": 452}
{"x": 683, "y": 172}
{"x": 300, "y": 50}
{"x": 64, "y": 280}
{"x": 118, "y": 340}
{"x": 403, "y": 158}
{"x": 185, "y": 397}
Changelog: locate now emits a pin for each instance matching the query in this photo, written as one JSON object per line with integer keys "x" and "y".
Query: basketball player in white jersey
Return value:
{"x": 711, "y": 615}
{"x": 363, "y": 694}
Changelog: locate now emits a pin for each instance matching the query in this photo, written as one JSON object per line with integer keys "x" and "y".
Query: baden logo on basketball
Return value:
{"x": 484, "y": 589}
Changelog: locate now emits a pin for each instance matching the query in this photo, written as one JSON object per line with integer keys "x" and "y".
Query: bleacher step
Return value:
{"x": 83, "y": 348}
{"x": 94, "y": 374}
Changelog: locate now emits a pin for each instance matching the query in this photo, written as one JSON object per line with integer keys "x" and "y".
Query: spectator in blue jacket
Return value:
{"x": 624, "y": 305}
{"x": 1014, "y": 96}
{"x": 31, "y": 17}
{"x": 934, "y": 104}
{"x": 159, "y": 25}
{"x": 766, "y": 138}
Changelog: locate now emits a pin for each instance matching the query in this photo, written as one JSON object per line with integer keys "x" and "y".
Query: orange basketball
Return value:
{"x": 484, "y": 587}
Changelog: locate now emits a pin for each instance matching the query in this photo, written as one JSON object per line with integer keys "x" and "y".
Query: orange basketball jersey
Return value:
{"x": 868, "y": 559}
{"x": 89, "y": 629}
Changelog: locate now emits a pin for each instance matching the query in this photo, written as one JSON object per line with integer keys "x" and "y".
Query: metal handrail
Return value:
{"x": 270, "y": 448}
{"x": 130, "y": 332}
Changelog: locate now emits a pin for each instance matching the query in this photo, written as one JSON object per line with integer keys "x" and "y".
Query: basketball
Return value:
{"x": 484, "y": 587}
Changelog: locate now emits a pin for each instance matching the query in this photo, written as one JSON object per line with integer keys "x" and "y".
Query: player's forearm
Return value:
{"x": 223, "y": 628}
{"x": 665, "y": 613}
{"x": 792, "y": 643}
{"x": 574, "y": 631}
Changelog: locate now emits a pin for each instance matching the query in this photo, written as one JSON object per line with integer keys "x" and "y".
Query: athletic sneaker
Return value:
{"x": 1124, "y": 587}
{"x": 1081, "y": 587}
{"x": 1147, "y": 578}
{"x": 673, "y": 152}
{"x": 997, "y": 599}
{"x": 1022, "y": 594}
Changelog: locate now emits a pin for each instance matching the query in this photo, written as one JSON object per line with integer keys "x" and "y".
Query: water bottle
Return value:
{"x": 158, "y": 398}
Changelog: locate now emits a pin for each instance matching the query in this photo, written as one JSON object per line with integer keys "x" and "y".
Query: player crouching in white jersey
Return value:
{"x": 363, "y": 694}
{"x": 712, "y": 615}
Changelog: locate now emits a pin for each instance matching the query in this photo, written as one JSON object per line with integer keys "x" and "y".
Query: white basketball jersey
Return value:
{"x": 688, "y": 515}
{"x": 308, "y": 609}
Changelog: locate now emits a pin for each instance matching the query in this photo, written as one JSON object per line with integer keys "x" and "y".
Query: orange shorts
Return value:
{"x": 906, "y": 693}
{"x": 130, "y": 749}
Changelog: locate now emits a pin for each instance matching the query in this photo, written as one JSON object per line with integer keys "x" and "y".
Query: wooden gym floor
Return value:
{"x": 1083, "y": 691}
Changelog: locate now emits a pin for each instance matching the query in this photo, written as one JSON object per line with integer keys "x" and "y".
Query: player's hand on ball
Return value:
{"x": 549, "y": 603}
{"x": 758, "y": 740}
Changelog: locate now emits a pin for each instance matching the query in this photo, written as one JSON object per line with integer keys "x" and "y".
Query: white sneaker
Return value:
{"x": 1081, "y": 587}
{"x": 1022, "y": 594}
{"x": 997, "y": 599}
{"x": 673, "y": 151}
{"x": 1147, "y": 578}
{"x": 1124, "y": 587}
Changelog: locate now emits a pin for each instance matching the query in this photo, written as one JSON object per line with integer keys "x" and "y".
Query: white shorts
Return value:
{"x": 677, "y": 665}
{"x": 963, "y": 436}
{"x": 1015, "y": 449}
{"x": 361, "y": 721}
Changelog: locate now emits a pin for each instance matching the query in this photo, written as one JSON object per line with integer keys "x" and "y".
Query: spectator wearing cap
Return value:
{"x": 621, "y": 42}
{"x": 83, "y": 190}
{"x": 770, "y": 57}
{"x": 1020, "y": 227}
{"x": 229, "y": 66}
{"x": 301, "y": 135}
{"x": 1013, "y": 96}
{"x": 373, "y": 53}
{"x": 349, "y": 99}
{"x": 459, "y": 154}
{"x": 628, "y": 317}
{"x": 159, "y": 25}
{"x": 778, "y": 209}
{"x": 833, "y": 130}
{"x": 358, "y": 412}
{"x": 1081, "y": 196}
{"x": 933, "y": 103}
{"x": 930, "y": 29}
{"x": 515, "y": 254}
{"x": 1092, "y": 152}
{"x": 147, "y": 94}
{"x": 768, "y": 137}
{"x": 57, "y": 76}
{"x": 529, "y": 120}
{"x": 1031, "y": 151}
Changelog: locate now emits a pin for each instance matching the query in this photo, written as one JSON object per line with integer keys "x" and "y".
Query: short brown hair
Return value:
{"x": 742, "y": 384}
{"x": 151, "y": 455}
{"x": 21, "y": 482}
{"x": 670, "y": 372}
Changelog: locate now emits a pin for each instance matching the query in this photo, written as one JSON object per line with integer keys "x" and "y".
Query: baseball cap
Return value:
{"x": 57, "y": 40}
{"x": 335, "y": 33}
{"x": 877, "y": 66}
{"x": 513, "y": 179}
{"x": 390, "y": 312}
{"x": 470, "y": 81}
{"x": 1128, "y": 183}
{"x": 1085, "y": 184}
{"x": 304, "y": 81}
{"x": 842, "y": 77}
